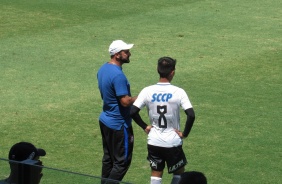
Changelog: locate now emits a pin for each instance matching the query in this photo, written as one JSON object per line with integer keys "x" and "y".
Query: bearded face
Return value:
{"x": 123, "y": 56}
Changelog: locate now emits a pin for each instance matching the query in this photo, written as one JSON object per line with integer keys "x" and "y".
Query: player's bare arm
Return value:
{"x": 126, "y": 100}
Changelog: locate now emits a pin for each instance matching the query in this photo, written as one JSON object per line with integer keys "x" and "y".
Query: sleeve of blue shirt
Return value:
{"x": 121, "y": 85}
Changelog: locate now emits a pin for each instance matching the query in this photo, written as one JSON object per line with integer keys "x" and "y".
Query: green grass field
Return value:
{"x": 229, "y": 57}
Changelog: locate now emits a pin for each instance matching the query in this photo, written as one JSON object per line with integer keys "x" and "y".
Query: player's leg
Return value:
{"x": 176, "y": 161}
{"x": 107, "y": 163}
{"x": 177, "y": 175}
{"x": 157, "y": 163}
{"x": 122, "y": 149}
{"x": 156, "y": 177}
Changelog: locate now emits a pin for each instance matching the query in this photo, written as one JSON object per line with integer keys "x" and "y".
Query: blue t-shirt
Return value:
{"x": 113, "y": 83}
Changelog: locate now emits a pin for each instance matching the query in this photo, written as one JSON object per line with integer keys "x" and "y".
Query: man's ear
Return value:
{"x": 172, "y": 72}
{"x": 117, "y": 55}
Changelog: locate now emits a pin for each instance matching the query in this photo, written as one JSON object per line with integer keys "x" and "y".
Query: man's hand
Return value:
{"x": 180, "y": 134}
{"x": 147, "y": 129}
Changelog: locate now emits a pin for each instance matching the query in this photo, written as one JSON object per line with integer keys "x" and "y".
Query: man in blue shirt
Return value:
{"x": 115, "y": 120}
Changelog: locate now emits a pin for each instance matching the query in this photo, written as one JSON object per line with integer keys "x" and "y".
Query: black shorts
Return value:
{"x": 174, "y": 158}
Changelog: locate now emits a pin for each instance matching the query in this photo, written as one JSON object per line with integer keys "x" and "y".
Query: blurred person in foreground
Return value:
{"x": 25, "y": 166}
{"x": 193, "y": 177}
{"x": 164, "y": 143}
{"x": 115, "y": 121}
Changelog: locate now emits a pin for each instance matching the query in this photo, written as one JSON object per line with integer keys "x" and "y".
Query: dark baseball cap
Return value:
{"x": 25, "y": 150}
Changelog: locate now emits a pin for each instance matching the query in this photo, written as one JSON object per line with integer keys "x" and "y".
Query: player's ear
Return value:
{"x": 172, "y": 72}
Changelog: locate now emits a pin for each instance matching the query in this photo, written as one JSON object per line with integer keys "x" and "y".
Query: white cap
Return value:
{"x": 119, "y": 45}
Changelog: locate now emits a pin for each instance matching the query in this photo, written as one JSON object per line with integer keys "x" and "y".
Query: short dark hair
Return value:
{"x": 193, "y": 177}
{"x": 165, "y": 66}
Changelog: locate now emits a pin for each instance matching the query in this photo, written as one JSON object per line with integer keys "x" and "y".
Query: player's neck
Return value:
{"x": 164, "y": 80}
{"x": 167, "y": 79}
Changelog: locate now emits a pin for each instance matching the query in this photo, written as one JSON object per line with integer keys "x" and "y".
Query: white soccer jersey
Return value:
{"x": 163, "y": 102}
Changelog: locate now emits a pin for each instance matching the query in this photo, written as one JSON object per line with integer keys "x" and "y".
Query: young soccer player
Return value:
{"x": 163, "y": 101}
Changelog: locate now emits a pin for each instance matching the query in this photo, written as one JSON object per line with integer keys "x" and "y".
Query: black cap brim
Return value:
{"x": 41, "y": 152}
